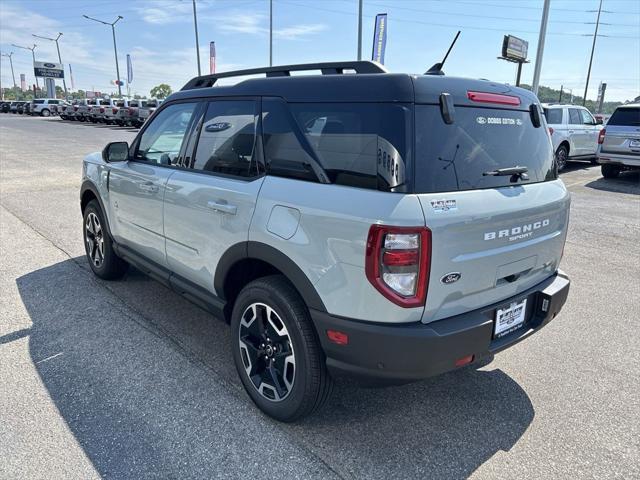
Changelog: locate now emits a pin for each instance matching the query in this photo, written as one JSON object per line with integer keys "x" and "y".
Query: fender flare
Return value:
{"x": 275, "y": 258}
{"x": 88, "y": 185}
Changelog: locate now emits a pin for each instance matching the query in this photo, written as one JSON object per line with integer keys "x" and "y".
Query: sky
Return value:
{"x": 159, "y": 36}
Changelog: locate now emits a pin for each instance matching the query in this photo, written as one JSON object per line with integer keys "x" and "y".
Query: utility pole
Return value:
{"x": 593, "y": 47}
{"x": 34, "y": 59}
{"x": 64, "y": 82}
{"x": 115, "y": 48}
{"x": 359, "y": 29}
{"x": 270, "y": 33}
{"x": 540, "y": 51}
{"x": 13, "y": 75}
{"x": 195, "y": 27}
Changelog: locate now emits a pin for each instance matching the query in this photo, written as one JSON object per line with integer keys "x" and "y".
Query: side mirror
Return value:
{"x": 599, "y": 121}
{"x": 116, "y": 152}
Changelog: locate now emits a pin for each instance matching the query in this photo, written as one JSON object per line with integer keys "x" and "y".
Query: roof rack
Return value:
{"x": 327, "y": 68}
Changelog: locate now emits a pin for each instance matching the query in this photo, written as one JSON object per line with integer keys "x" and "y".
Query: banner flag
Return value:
{"x": 379, "y": 38}
{"x": 212, "y": 57}
{"x": 73, "y": 84}
{"x": 129, "y": 69}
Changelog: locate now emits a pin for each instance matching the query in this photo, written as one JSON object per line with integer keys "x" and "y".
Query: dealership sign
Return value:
{"x": 48, "y": 69}
{"x": 514, "y": 48}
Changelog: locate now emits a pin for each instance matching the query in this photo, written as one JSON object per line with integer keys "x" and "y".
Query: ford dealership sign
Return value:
{"x": 48, "y": 69}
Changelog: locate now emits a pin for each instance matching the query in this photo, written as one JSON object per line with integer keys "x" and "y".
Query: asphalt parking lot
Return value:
{"x": 128, "y": 380}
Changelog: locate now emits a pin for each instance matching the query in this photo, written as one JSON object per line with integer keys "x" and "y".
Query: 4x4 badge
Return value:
{"x": 451, "y": 277}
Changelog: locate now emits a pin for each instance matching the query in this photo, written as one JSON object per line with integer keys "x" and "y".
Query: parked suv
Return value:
{"x": 574, "y": 133}
{"x": 619, "y": 143}
{"x": 44, "y": 106}
{"x": 372, "y": 225}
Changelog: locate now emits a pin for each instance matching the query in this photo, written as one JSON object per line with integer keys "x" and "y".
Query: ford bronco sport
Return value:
{"x": 388, "y": 227}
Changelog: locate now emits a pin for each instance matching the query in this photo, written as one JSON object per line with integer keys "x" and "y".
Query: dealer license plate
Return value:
{"x": 509, "y": 319}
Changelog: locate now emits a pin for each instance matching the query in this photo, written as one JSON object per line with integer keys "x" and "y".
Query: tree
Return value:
{"x": 161, "y": 91}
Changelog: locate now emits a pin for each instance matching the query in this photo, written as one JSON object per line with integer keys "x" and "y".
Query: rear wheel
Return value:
{"x": 562, "y": 154}
{"x": 45, "y": 112}
{"x": 98, "y": 245}
{"x": 276, "y": 351}
{"x": 610, "y": 171}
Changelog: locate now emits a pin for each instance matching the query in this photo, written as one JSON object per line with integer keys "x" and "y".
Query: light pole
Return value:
{"x": 541, "y": 38}
{"x": 13, "y": 75}
{"x": 593, "y": 47}
{"x": 270, "y": 33}
{"x": 115, "y": 48}
{"x": 33, "y": 54}
{"x": 64, "y": 83}
{"x": 360, "y": 30}
{"x": 195, "y": 26}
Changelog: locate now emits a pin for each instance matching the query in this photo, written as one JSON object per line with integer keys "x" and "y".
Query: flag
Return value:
{"x": 129, "y": 69}
{"x": 379, "y": 38}
{"x": 212, "y": 57}
{"x": 73, "y": 84}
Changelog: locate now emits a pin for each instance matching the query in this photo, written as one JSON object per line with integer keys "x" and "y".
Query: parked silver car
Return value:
{"x": 619, "y": 142}
{"x": 574, "y": 133}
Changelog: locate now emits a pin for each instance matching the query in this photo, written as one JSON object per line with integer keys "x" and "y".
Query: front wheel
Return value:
{"x": 45, "y": 113}
{"x": 276, "y": 351}
{"x": 98, "y": 245}
{"x": 610, "y": 171}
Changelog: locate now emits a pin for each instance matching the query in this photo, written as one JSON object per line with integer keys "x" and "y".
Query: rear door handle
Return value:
{"x": 222, "y": 207}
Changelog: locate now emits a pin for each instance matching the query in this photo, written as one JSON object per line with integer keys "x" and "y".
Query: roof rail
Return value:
{"x": 327, "y": 68}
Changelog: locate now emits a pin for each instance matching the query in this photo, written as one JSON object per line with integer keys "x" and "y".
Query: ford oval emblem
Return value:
{"x": 50, "y": 65}
{"x": 451, "y": 278}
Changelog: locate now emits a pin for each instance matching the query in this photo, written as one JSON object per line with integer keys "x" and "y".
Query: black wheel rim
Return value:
{"x": 94, "y": 237}
{"x": 561, "y": 158}
{"x": 266, "y": 352}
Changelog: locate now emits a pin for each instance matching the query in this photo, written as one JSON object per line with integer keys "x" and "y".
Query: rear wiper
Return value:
{"x": 517, "y": 172}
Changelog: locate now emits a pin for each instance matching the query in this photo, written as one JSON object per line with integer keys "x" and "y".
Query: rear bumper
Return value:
{"x": 392, "y": 354}
{"x": 632, "y": 161}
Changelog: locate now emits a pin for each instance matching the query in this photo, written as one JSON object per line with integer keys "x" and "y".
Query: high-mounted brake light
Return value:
{"x": 398, "y": 261}
{"x": 601, "y": 136}
{"x": 486, "y": 97}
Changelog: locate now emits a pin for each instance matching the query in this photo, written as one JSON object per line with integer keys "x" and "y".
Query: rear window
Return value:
{"x": 553, "y": 115}
{"x": 625, "y": 117}
{"x": 38, "y": 102}
{"x": 454, "y": 157}
{"x": 120, "y": 104}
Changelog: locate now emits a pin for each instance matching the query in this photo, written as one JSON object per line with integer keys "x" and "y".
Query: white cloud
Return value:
{"x": 257, "y": 24}
{"x": 165, "y": 12}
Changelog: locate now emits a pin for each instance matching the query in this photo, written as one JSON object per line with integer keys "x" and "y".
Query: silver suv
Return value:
{"x": 44, "y": 106}
{"x": 619, "y": 143}
{"x": 370, "y": 225}
{"x": 574, "y": 133}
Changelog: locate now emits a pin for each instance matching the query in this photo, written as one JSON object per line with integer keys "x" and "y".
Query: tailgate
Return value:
{"x": 499, "y": 245}
{"x": 621, "y": 140}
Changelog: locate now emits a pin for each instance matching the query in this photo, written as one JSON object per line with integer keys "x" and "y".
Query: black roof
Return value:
{"x": 370, "y": 83}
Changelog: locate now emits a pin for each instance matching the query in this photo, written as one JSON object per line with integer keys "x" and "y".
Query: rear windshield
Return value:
{"x": 554, "y": 115}
{"x": 38, "y": 102}
{"x": 625, "y": 116}
{"x": 454, "y": 157}
{"x": 152, "y": 103}
{"x": 120, "y": 104}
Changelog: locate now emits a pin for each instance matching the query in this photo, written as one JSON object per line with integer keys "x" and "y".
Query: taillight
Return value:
{"x": 397, "y": 264}
{"x": 75, "y": 109}
{"x": 601, "y": 136}
{"x": 486, "y": 97}
{"x": 101, "y": 109}
{"x": 131, "y": 111}
{"x": 114, "y": 110}
{"x": 550, "y": 131}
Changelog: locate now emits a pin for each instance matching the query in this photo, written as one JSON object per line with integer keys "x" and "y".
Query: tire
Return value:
{"x": 610, "y": 171}
{"x": 289, "y": 342}
{"x": 562, "y": 154}
{"x": 98, "y": 245}
{"x": 594, "y": 161}
{"x": 45, "y": 112}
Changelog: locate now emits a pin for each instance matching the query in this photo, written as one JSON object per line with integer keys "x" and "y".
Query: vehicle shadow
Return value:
{"x": 626, "y": 182}
{"x": 145, "y": 382}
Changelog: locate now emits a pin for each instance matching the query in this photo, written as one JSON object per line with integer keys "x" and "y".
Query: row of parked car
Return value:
{"x": 111, "y": 111}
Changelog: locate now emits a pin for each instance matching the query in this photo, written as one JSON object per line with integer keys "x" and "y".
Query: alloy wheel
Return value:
{"x": 267, "y": 352}
{"x": 94, "y": 236}
{"x": 561, "y": 158}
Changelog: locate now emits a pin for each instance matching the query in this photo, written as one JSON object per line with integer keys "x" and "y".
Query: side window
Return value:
{"x": 587, "y": 119}
{"x": 162, "y": 139}
{"x": 359, "y": 144}
{"x": 574, "y": 116}
{"x": 554, "y": 115}
{"x": 283, "y": 153}
{"x": 227, "y": 139}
